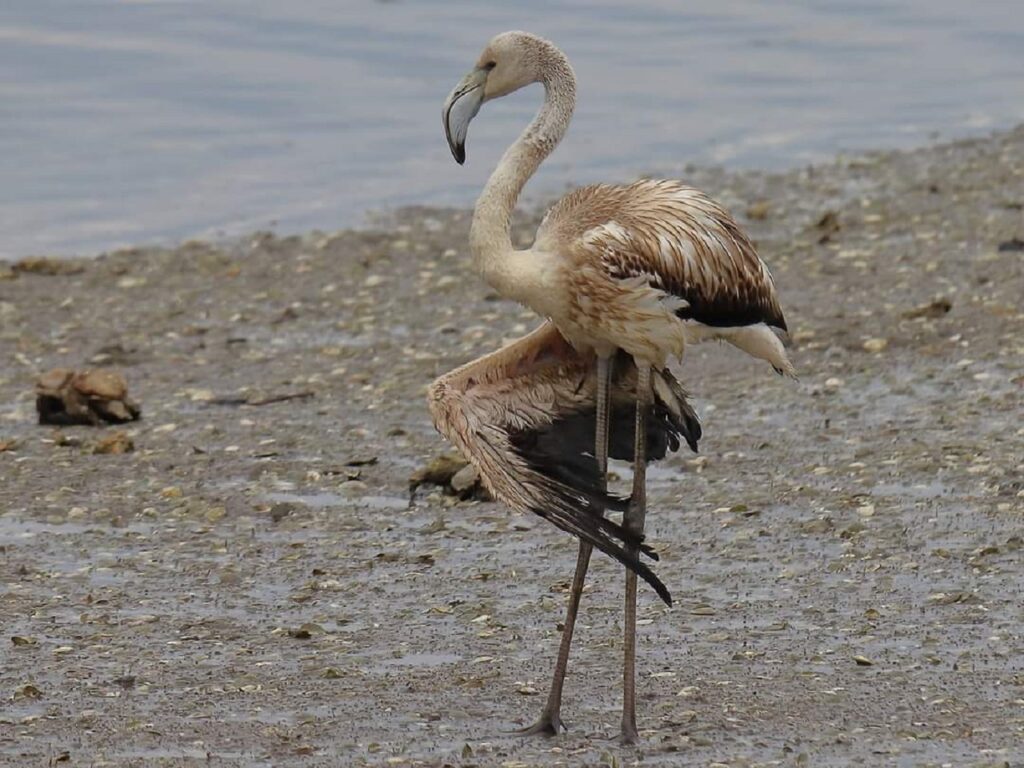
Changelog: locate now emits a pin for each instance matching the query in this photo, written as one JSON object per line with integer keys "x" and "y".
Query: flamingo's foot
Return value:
{"x": 548, "y": 724}
{"x": 629, "y": 736}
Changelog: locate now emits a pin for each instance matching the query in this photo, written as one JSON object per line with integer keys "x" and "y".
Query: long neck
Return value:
{"x": 490, "y": 234}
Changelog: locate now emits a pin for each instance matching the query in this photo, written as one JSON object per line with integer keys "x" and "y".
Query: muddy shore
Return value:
{"x": 251, "y": 587}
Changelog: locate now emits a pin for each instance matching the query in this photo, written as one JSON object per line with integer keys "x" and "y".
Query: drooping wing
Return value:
{"x": 676, "y": 238}
{"x": 524, "y": 416}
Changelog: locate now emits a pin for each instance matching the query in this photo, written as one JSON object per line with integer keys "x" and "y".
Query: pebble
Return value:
{"x": 465, "y": 479}
{"x": 353, "y": 487}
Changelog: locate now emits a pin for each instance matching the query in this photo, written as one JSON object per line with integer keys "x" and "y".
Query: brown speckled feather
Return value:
{"x": 524, "y": 416}
{"x": 623, "y": 240}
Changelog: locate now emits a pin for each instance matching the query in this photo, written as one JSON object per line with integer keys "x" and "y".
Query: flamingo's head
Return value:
{"x": 509, "y": 62}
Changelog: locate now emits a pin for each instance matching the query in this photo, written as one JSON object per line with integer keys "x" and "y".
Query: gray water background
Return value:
{"x": 126, "y": 122}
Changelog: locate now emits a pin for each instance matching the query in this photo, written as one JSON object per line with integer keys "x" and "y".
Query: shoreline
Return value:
{"x": 251, "y": 583}
{"x": 532, "y": 202}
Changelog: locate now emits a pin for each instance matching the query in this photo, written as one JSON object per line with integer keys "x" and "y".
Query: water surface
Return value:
{"x": 126, "y": 122}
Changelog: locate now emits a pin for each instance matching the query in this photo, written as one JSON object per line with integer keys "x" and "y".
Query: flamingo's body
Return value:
{"x": 655, "y": 265}
{"x": 644, "y": 268}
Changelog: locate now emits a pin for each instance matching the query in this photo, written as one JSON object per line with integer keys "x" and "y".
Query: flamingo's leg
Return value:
{"x": 634, "y": 521}
{"x": 550, "y": 721}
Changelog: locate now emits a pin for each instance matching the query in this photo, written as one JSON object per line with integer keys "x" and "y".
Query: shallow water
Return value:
{"x": 126, "y": 122}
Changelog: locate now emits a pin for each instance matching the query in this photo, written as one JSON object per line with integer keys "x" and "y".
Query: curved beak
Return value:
{"x": 460, "y": 108}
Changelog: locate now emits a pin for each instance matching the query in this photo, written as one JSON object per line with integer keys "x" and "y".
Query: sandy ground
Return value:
{"x": 250, "y": 586}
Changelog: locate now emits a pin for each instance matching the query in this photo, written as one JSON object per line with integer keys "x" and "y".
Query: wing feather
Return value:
{"x": 525, "y": 416}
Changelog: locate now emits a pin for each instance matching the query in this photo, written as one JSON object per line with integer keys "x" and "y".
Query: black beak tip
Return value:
{"x": 459, "y": 153}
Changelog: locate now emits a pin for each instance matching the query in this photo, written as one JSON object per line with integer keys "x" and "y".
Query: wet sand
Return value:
{"x": 251, "y": 587}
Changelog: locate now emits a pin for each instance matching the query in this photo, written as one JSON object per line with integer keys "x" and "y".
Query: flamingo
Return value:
{"x": 642, "y": 269}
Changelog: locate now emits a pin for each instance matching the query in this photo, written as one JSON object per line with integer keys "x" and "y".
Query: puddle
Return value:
{"x": 324, "y": 500}
{"x": 422, "y": 660}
